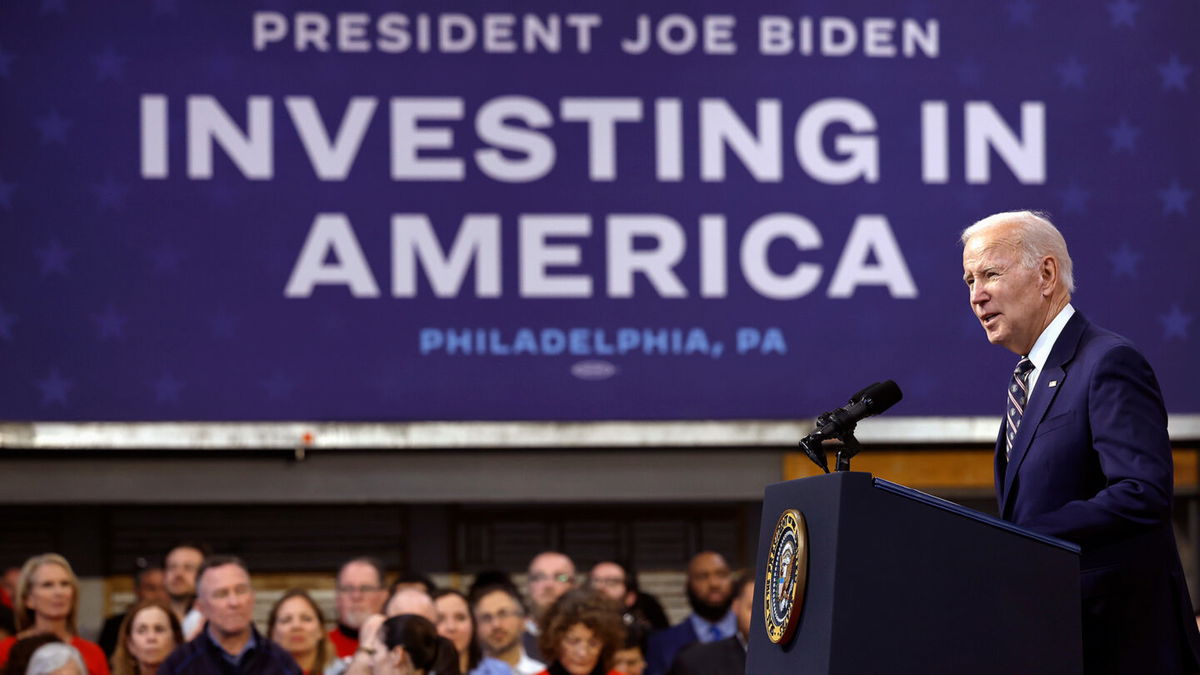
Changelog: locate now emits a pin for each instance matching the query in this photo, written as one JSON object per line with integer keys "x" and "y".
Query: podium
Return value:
{"x": 899, "y": 581}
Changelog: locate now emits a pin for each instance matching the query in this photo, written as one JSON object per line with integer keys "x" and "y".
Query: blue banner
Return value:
{"x": 571, "y": 211}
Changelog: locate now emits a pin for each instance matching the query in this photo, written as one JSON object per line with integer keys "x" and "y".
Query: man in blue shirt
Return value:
{"x": 723, "y": 657}
{"x": 710, "y": 593}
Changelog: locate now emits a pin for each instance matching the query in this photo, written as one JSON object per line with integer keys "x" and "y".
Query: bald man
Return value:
{"x": 411, "y": 601}
{"x": 403, "y": 601}
{"x": 550, "y": 575}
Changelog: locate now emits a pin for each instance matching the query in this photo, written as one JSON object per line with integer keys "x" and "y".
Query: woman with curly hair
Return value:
{"x": 583, "y": 631}
{"x": 149, "y": 632}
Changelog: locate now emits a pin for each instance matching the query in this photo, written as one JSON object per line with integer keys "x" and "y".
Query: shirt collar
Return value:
{"x": 233, "y": 659}
{"x": 1045, "y": 342}
{"x": 727, "y": 626}
{"x": 528, "y": 664}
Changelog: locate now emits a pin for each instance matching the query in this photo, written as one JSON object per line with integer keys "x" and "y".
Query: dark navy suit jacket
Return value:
{"x": 1091, "y": 463}
{"x": 723, "y": 657}
{"x": 663, "y": 645}
{"x": 202, "y": 656}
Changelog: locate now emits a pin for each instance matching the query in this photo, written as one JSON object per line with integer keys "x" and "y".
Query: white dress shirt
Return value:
{"x": 1045, "y": 343}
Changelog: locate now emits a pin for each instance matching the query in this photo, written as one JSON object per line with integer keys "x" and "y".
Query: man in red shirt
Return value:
{"x": 361, "y": 592}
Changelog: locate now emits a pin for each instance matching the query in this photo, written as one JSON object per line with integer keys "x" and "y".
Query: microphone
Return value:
{"x": 812, "y": 448}
{"x": 870, "y": 400}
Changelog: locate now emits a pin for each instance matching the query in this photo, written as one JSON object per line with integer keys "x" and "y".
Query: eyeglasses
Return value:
{"x": 538, "y": 577}
{"x": 502, "y": 615}
{"x": 607, "y": 581}
{"x": 351, "y": 590}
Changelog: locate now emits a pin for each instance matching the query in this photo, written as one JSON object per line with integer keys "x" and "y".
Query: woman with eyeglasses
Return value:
{"x": 456, "y": 623}
{"x": 583, "y": 630}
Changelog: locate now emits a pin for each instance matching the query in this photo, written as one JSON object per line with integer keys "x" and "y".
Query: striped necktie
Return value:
{"x": 1018, "y": 394}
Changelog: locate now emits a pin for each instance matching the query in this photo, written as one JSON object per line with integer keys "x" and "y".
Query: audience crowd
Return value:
{"x": 193, "y": 615}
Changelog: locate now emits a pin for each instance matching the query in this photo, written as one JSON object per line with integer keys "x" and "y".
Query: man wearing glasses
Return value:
{"x": 360, "y": 593}
{"x": 550, "y": 575}
{"x": 499, "y": 620}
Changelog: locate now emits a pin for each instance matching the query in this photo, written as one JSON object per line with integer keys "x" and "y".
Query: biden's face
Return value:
{"x": 1009, "y": 299}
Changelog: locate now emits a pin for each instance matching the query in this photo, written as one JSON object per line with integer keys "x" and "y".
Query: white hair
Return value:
{"x": 52, "y": 656}
{"x": 1035, "y": 238}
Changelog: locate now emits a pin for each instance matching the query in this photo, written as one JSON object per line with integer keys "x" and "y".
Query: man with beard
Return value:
{"x": 499, "y": 622}
{"x": 710, "y": 593}
{"x": 728, "y": 656}
{"x": 360, "y": 593}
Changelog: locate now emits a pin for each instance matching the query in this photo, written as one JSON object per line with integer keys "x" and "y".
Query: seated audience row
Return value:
{"x": 194, "y": 616}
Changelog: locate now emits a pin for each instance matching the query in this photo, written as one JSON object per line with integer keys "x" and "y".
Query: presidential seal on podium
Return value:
{"x": 787, "y": 573}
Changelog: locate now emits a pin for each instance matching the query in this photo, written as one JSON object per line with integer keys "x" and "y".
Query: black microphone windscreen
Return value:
{"x": 881, "y": 396}
{"x": 858, "y": 395}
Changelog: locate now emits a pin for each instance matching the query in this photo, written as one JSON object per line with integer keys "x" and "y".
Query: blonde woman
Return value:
{"x": 47, "y": 601}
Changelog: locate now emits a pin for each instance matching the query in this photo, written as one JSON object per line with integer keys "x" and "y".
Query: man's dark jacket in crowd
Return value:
{"x": 202, "y": 656}
{"x": 723, "y": 657}
{"x": 662, "y": 646}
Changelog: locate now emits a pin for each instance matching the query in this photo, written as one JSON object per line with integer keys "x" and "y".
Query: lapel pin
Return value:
{"x": 1053, "y": 383}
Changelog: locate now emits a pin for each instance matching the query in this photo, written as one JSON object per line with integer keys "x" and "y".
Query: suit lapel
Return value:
{"x": 1000, "y": 465}
{"x": 1039, "y": 402}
